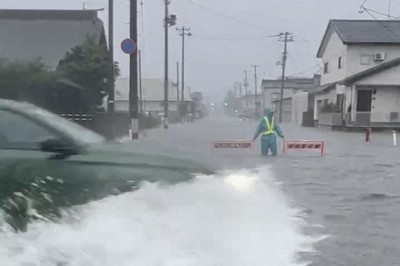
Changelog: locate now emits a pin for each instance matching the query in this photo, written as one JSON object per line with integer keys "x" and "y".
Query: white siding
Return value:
{"x": 385, "y": 101}
{"x": 356, "y": 51}
{"x": 299, "y": 106}
{"x": 388, "y": 77}
{"x": 334, "y": 49}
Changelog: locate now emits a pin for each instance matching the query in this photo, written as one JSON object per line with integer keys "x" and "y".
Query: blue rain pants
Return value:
{"x": 268, "y": 143}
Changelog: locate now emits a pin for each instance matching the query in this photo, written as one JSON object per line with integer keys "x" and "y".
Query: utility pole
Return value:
{"x": 177, "y": 81}
{"x": 284, "y": 37}
{"x": 111, "y": 96}
{"x": 168, "y": 21}
{"x": 183, "y": 32}
{"x": 140, "y": 82}
{"x": 255, "y": 88}
{"x": 133, "y": 77}
{"x": 246, "y": 84}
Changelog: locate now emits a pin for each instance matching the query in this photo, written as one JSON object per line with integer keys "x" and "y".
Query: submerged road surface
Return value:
{"x": 350, "y": 197}
{"x": 299, "y": 209}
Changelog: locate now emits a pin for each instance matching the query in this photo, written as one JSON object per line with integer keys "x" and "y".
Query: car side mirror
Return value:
{"x": 58, "y": 146}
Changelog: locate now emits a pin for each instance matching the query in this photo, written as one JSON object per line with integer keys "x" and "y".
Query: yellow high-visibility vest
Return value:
{"x": 270, "y": 126}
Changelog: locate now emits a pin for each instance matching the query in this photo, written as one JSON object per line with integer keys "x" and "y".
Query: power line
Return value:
{"x": 216, "y": 12}
{"x": 378, "y": 12}
{"x": 380, "y": 22}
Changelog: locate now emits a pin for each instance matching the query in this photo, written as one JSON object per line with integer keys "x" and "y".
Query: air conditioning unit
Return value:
{"x": 380, "y": 56}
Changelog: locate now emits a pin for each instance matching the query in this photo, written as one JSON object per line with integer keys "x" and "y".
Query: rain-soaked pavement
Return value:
{"x": 351, "y": 195}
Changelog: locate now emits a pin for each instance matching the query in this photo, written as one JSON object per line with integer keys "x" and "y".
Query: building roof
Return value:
{"x": 359, "y": 76}
{"x": 46, "y": 35}
{"x": 362, "y": 32}
{"x": 371, "y": 71}
{"x": 323, "y": 89}
{"x": 291, "y": 83}
{"x": 47, "y": 14}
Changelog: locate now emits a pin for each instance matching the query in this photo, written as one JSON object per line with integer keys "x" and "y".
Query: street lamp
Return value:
{"x": 169, "y": 20}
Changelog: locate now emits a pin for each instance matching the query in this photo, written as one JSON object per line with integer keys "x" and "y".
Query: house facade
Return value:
{"x": 360, "y": 82}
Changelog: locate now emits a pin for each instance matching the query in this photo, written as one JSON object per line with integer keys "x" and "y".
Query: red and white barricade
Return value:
{"x": 233, "y": 144}
{"x": 304, "y": 145}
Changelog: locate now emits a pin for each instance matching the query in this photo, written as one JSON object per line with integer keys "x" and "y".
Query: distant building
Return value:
{"x": 152, "y": 96}
{"x": 360, "y": 83}
{"x": 272, "y": 87}
{"x": 46, "y": 35}
{"x": 295, "y": 103}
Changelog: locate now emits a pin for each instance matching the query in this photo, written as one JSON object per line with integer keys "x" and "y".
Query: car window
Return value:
{"x": 79, "y": 134}
{"x": 19, "y": 132}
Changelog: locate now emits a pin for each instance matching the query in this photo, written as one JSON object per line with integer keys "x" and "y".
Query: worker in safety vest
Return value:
{"x": 269, "y": 129}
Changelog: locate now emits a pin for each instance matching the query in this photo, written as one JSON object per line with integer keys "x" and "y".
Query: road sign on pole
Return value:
{"x": 128, "y": 46}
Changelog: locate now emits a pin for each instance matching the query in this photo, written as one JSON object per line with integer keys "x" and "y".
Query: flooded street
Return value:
{"x": 351, "y": 192}
{"x": 298, "y": 209}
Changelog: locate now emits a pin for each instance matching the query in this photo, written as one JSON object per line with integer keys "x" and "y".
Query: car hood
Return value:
{"x": 138, "y": 154}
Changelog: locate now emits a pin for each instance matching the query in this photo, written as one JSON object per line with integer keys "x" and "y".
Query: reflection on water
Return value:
{"x": 233, "y": 219}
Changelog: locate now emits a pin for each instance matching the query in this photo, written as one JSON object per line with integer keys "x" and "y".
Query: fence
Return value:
{"x": 112, "y": 125}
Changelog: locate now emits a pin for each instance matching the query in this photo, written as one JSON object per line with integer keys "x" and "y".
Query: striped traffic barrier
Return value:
{"x": 233, "y": 144}
{"x": 304, "y": 145}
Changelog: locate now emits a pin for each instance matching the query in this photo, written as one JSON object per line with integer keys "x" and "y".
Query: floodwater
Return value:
{"x": 299, "y": 209}
{"x": 234, "y": 218}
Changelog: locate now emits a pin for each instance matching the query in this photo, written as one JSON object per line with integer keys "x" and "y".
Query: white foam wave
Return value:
{"x": 232, "y": 219}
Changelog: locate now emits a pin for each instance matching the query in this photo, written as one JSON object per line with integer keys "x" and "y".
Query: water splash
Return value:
{"x": 233, "y": 219}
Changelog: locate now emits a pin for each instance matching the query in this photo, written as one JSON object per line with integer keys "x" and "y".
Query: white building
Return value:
{"x": 360, "y": 79}
{"x": 152, "y": 99}
{"x": 295, "y": 95}
{"x": 271, "y": 88}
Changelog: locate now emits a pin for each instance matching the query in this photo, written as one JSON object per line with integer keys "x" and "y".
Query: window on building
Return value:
{"x": 365, "y": 59}
{"x": 340, "y": 62}
{"x": 326, "y": 68}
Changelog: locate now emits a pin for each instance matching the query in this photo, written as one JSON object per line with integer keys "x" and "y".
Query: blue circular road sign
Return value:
{"x": 128, "y": 46}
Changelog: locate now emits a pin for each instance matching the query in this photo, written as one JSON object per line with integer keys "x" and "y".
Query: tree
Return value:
{"x": 89, "y": 65}
{"x": 29, "y": 81}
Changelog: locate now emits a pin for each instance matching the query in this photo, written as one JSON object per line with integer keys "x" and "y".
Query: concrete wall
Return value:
{"x": 334, "y": 49}
{"x": 329, "y": 97}
{"x": 330, "y": 119}
{"x": 300, "y": 105}
{"x": 286, "y": 110}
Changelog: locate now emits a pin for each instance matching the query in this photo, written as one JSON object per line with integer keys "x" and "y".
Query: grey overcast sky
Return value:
{"x": 228, "y": 35}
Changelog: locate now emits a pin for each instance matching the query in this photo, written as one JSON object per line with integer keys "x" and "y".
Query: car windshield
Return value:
{"x": 78, "y": 133}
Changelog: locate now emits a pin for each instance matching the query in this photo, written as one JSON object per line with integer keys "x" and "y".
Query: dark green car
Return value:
{"x": 47, "y": 162}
